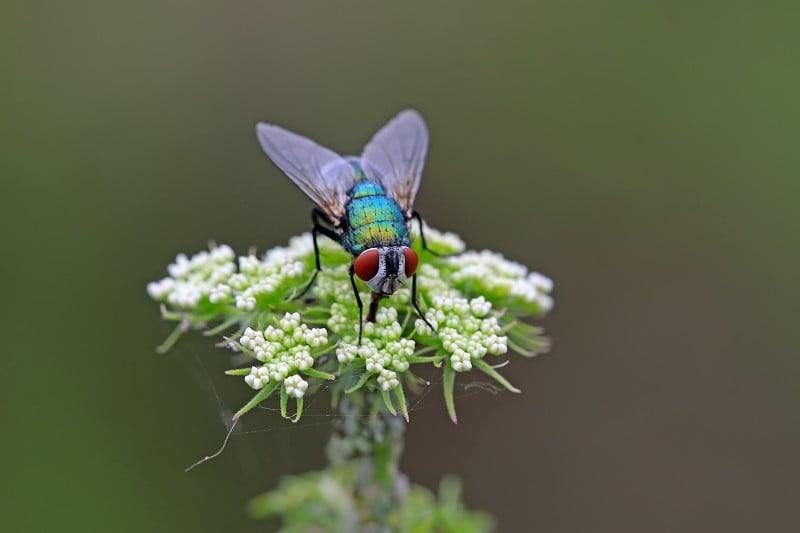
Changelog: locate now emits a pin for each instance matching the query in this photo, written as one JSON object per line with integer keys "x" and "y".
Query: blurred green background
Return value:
{"x": 643, "y": 154}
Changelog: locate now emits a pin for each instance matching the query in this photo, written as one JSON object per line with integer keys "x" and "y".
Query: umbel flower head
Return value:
{"x": 473, "y": 302}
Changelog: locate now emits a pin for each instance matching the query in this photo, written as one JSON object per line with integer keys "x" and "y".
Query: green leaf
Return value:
{"x": 166, "y": 314}
{"x": 519, "y": 349}
{"x": 284, "y": 401}
{"x": 170, "y": 341}
{"x": 387, "y": 399}
{"x": 401, "y": 399}
{"x": 299, "y": 410}
{"x": 527, "y": 340}
{"x": 224, "y": 325}
{"x": 318, "y": 374}
{"x": 448, "y": 385}
{"x": 426, "y": 349}
{"x": 429, "y": 359}
{"x": 238, "y": 372}
{"x": 262, "y": 395}
{"x": 361, "y": 382}
{"x": 247, "y": 351}
{"x": 486, "y": 368}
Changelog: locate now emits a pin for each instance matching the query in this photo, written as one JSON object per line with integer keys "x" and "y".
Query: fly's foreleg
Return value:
{"x": 318, "y": 229}
{"x": 358, "y": 301}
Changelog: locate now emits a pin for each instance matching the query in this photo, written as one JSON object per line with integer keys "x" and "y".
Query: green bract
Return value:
{"x": 474, "y": 301}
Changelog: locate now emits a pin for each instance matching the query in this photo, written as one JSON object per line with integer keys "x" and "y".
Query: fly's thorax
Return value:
{"x": 366, "y": 187}
{"x": 384, "y": 269}
{"x": 373, "y": 219}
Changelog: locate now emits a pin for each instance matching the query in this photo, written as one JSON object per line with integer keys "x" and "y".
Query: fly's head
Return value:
{"x": 386, "y": 268}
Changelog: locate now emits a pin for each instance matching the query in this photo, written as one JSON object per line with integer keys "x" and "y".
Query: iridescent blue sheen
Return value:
{"x": 373, "y": 219}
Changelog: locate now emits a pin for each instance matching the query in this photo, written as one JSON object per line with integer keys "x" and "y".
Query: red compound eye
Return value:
{"x": 367, "y": 264}
{"x": 412, "y": 260}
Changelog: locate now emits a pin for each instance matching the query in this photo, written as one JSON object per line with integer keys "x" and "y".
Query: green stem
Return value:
{"x": 373, "y": 441}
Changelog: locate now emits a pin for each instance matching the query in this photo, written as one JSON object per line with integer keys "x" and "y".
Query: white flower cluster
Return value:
{"x": 285, "y": 349}
{"x": 191, "y": 280}
{"x": 387, "y": 379}
{"x": 271, "y": 276}
{"x": 500, "y": 279}
{"x": 295, "y": 386}
{"x": 333, "y": 284}
{"x": 382, "y": 348}
{"x": 213, "y": 275}
{"x": 464, "y": 329}
{"x": 459, "y": 293}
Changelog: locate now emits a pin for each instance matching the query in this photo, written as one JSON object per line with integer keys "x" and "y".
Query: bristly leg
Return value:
{"x": 414, "y": 301}
{"x": 417, "y": 216}
{"x": 358, "y": 301}
{"x": 318, "y": 228}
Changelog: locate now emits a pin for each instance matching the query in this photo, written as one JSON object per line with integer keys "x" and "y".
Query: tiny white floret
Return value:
{"x": 295, "y": 386}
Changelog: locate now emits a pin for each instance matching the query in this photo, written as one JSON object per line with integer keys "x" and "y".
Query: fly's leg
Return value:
{"x": 318, "y": 228}
{"x": 414, "y": 301}
{"x": 416, "y": 215}
{"x": 358, "y": 301}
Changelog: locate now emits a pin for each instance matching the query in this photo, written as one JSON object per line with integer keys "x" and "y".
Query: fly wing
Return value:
{"x": 321, "y": 173}
{"x": 395, "y": 158}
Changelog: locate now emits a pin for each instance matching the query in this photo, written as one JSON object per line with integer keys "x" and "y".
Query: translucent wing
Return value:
{"x": 322, "y": 174}
{"x": 395, "y": 158}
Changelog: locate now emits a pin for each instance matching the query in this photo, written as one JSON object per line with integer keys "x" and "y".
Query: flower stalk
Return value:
{"x": 373, "y": 442}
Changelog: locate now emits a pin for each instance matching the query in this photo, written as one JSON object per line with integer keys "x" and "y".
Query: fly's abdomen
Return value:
{"x": 374, "y": 219}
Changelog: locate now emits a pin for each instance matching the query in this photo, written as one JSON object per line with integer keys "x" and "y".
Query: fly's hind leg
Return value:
{"x": 317, "y": 229}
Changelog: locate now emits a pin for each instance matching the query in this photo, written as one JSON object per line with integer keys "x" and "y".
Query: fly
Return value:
{"x": 364, "y": 203}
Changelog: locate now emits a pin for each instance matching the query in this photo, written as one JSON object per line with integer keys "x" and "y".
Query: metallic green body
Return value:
{"x": 373, "y": 219}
